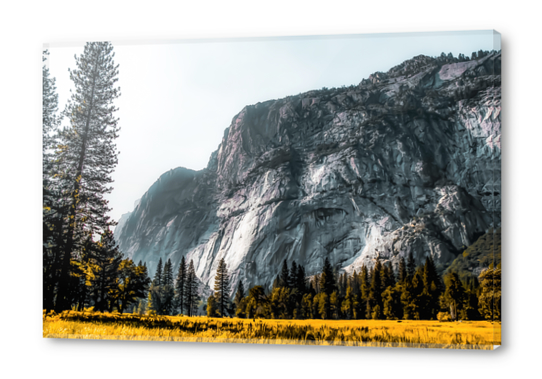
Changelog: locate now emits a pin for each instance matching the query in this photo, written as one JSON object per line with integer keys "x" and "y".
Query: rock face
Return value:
{"x": 406, "y": 161}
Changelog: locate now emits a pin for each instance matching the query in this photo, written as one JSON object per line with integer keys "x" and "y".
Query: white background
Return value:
{"x": 24, "y": 26}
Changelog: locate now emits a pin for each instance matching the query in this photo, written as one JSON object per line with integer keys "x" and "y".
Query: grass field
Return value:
{"x": 386, "y": 333}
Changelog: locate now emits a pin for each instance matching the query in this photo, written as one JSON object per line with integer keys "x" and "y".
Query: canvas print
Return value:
{"x": 313, "y": 190}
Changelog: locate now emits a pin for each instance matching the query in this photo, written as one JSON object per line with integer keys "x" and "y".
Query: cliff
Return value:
{"x": 406, "y": 161}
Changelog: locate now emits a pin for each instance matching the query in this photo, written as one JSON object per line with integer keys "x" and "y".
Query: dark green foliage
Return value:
{"x": 86, "y": 158}
{"x": 180, "y": 283}
{"x": 133, "y": 284}
{"x": 284, "y": 276}
{"x": 411, "y": 265}
{"x": 454, "y": 295}
{"x": 402, "y": 274}
{"x": 222, "y": 284}
{"x": 240, "y": 294}
{"x": 293, "y": 275}
{"x": 306, "y": 307}
{"x": 335, "y": 301}
{"x": 257, "y": 303}
{"x": 212, "y": 310}
{"x": 364, "y": 293}
{"x": 484, "y": 253}
{"x": 490, "y": 296}
{"x": 349, "y": 306}
{"x": 433, "y": 288}
{"x": 239, "y": 301}
{"x": 158, "y": 275}
{"x": 388, "y": 276}
{"x": 373, "y": 294}
{"x": 471, "y": 305}
{"x": 282, "y": 303}
{"x": 301, "y": 280}
{"x": 191, "y": 290}
{"x": 167, "y": 290}
{"x": 322, "y": 305}
{"x": 102, "y": 267}
{"x": 391, "y": 297}
{"x": 155, "y": 303}
{"x": 54, "y": 208}
{"x": 376, "y": 288}
{"x": 327, "y": 279}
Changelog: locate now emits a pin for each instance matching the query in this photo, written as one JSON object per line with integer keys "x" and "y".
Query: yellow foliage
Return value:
{"x": 426, "y": 334}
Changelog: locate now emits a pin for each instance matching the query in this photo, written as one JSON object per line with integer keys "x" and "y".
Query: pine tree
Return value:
{"x": 388, "y": 277}
{"x": 212, "y": 309}
{"x": 167, "y": 289}
{"x": 433, "y": 288}
{"x": 293, "y": 275}
{"x": 191, "y": 290}
{"x": 158, "y": 275}
{"x": 315, "y": 283}
{"x": 391, "y": 298}
{"x": 419, "y": 303}
{"x": 285, "y": 275}
{"x": 301, "y": 280}
{"x": 349, "y": 304}
{"x": 364, "y": 293}
{"x": 490, "y": 296}
{"x": 88, "y": 153}
{"x": 102, "y": 271}
{"x": 411, "y": 265}
{"x": 454, "y": 295}
{"x": 327, "y": 279}
{"x": 376, "y": 289}
{"x": 222, "y": 284}
{"x": 335, "y": 305}
{"x": 180, "y": 285}
{"x": 239, "y": 295}
{"x": 402, "y": 274}
{"x": 54, "y": 209}
{"x": 155, "y": 292}
{"x": 133, "y": 284}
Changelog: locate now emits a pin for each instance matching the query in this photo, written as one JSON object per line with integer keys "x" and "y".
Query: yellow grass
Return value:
{"x": 386, "y": 333}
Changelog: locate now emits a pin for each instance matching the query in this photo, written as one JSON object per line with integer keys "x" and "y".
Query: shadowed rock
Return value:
{"x": 406, "y": 161}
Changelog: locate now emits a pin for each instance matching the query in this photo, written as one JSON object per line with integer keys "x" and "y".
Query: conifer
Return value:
{"x": 402, "y": 274}
{"x": 327, "y": 279}
{"x": 191, "y": 290}
{"x": 104, "y": 262}
{"x": 411, "y": 265}
{"x": 167, "y": 290}
{"x": 180, "y": 285}
{"x": 285, "y": 275}
{"x": 222, "y": 284}
{"x": 239, "y": 295}
{"x": 88, "y": 154}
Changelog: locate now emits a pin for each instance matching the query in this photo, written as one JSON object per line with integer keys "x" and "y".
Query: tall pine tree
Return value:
{"x": 180, "y": 285}
{"x": 167, "y": 289}
{"x": 222, "y": 284}
{"x": 102, "y": 272}
{"x": 53, "y": 208}
{"x": 191, "y": 295}
{"x": 88, "y": 152}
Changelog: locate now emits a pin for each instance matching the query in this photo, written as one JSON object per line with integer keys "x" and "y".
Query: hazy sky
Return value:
{"x": 178, "y": 97}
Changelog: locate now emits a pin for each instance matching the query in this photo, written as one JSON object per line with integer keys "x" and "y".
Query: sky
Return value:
{"x": 178, "y": 97}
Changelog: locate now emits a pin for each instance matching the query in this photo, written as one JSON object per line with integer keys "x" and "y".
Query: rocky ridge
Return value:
{"x": 406, "y": 161}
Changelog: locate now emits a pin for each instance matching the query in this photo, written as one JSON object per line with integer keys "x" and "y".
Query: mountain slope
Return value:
{"x": 406, "y": 161}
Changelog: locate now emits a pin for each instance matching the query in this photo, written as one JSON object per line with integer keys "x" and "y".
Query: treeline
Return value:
{"x": 411, "y": 293}
{"x": 170, "y": 296}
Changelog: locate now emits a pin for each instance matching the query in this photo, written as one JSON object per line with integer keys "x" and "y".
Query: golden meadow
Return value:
{"x": 383, "y": 333}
